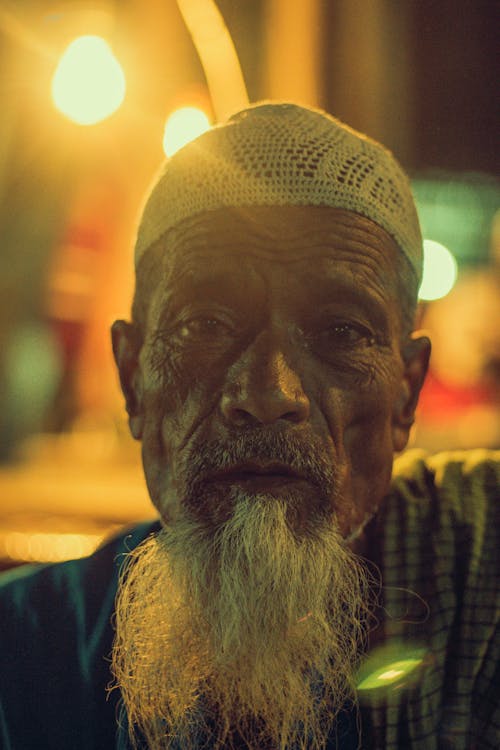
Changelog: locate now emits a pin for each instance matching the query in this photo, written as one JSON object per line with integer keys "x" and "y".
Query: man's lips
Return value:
{"x": 265, "y": 474}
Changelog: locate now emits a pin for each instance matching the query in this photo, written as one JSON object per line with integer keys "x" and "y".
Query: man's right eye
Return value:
{"x": 206, "y": 328}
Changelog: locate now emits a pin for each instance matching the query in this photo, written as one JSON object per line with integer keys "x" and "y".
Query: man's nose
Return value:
{"x": 263, "y": 389}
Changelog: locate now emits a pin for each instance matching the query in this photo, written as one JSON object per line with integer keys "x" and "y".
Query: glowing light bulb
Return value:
{"x": 183, "y": 126}
{"x": 440, "y": 271}
{"x": 89, "y": 84}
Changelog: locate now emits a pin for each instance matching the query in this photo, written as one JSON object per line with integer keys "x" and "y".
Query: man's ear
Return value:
{"x": 127, "y": 342}
{"x": 416, "y": 353}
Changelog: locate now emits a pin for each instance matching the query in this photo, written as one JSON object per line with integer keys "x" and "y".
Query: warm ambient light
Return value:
{"x": 183, "y": 126}
{"x": 440, "y": 271}
{"x": 89, "y": 84}
{"x": 217, "y": 55}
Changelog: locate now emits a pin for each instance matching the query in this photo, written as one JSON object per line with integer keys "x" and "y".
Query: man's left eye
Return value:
{"x": 347, "y": 334}
{"x": 206, "y": 327}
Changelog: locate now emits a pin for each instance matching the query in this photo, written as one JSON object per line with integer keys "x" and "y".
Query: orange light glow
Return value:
{"x": 42, "y": 547}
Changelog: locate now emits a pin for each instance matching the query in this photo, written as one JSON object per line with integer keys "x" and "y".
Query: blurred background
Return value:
{"x": 93, "y": 94}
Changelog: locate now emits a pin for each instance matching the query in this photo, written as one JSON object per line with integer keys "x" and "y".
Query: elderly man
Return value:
{"x": 297, "y": 592}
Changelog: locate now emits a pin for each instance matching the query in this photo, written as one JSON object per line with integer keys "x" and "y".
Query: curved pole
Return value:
{"x": 217, "y": 54}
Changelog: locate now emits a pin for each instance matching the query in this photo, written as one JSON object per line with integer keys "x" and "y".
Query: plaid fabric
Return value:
{"x": 435, "y": 542}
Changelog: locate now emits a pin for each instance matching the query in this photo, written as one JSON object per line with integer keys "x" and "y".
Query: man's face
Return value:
{"x": 272, "y": 364}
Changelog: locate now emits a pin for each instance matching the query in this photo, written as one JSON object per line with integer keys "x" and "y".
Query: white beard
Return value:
{"x": 253, "y": 629}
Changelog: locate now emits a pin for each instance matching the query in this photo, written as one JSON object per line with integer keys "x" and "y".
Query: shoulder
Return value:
{"x": 439, "y": 522}
{"x": 64, "y": 599}
{"x": 56, "y": 623}
{"x": 435, "y": 544}
{"x": 36, "y": 588}
{"x": 465, "y": 484}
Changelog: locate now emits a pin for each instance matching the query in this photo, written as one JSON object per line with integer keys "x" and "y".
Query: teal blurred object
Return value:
{"x": 458, "y": 211}
{"x": 31, "y": 375}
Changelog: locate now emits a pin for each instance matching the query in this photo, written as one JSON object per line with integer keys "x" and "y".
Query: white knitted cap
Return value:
{"x": 286, "y": 155}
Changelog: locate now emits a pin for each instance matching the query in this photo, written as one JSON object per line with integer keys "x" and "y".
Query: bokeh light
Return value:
{"x": 390, "y": 667}
{"x": 440, "y": 271}
{"x": 183, "y": 126}
{"x": 89, "y": 83}
{"x": 389, "y": 674}
{"x": 30, "y": 546}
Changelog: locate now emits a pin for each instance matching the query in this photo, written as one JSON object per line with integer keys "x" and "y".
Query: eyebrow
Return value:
{"x": 331, "y": 280}
{"x": 213, "y": 287}
{"x": 341, "y": 295}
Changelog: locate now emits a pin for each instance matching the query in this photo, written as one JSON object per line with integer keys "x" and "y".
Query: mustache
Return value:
{"x": 305, "y": 455}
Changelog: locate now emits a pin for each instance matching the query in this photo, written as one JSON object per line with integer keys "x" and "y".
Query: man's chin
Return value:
{"x": 305, "y": 507}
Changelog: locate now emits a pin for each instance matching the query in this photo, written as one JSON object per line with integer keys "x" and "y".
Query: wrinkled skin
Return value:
{"x": 271, "y": 322}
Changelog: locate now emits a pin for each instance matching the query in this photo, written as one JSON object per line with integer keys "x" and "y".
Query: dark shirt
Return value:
{"x": 56, "y": 623}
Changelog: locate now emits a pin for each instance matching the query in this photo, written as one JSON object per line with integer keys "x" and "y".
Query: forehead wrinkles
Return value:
{"x": 343, "y": 243}
{"x": 275, "y": 236}
{"x": 371, "y": 268}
